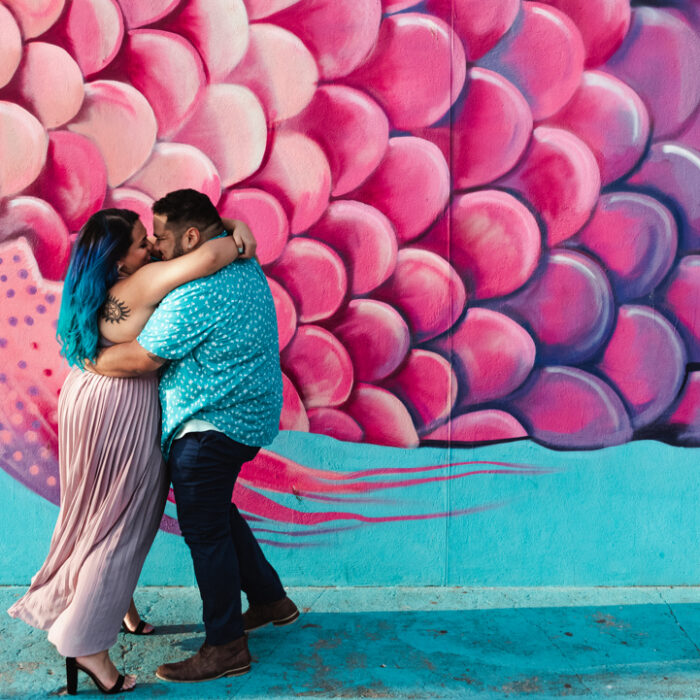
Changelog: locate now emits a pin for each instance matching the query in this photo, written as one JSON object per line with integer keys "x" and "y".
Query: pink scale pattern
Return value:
{"x": 413, "y": 171}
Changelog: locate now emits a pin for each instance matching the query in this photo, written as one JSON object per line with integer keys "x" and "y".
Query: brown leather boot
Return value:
{"x": 210, "y": 662}
{"x": 280, "y": 612}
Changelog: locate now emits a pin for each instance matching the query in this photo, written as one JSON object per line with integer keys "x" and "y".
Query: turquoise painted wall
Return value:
{"x": 480, "y": 223}
{"x": 625, "y": 515}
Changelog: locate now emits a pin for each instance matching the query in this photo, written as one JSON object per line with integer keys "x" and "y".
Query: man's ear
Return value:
{"x": 191, "y": 238}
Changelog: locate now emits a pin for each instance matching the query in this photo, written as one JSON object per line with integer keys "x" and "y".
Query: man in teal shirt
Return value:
{"x": 221, "y": 397}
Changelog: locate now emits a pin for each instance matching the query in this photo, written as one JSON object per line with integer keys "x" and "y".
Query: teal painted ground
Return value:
{"x": 409, "y": 643}
{"x": 621, "y": 516}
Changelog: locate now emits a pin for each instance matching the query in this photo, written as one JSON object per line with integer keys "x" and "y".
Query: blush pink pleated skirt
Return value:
{"x": 113, "y": 490}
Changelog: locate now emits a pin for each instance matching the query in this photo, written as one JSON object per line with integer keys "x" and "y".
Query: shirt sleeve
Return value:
{"x": 180, "y": 323}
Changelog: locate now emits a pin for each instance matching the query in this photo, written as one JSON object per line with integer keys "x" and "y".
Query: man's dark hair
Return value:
{"x": 184, "y": 208}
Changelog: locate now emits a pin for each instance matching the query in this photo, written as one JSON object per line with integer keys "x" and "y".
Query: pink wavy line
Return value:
{"x": 408, "y": 470}
{"x": 291, "y": 545}
{"x": 378, "y": 485}
{"x": 276, "y": 473}
{"x": 305, "y": 533}
{"x": 251, "y": 501}
{"x": 336, "y": 499}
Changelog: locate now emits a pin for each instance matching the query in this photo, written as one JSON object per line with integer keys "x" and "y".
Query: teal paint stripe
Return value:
{"x": 625, "y": 515}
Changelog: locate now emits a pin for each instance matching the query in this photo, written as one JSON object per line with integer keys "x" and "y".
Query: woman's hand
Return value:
{"x": 89, "y": 366}
{"x": 243, "y": 238}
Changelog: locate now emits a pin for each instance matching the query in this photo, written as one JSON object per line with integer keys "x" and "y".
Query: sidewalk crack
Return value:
{"x": 320, "y": 593}
{"x": 675, "y": 619}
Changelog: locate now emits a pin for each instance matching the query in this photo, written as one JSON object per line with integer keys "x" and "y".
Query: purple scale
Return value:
{"x": 672, "y": 171}
{"x": 568, "y": 408}
{"x": 568, "y": 306}
{"x": 645, "y": 361}
{"x": 635, "y": 237}
{"x": 659, "y": 60}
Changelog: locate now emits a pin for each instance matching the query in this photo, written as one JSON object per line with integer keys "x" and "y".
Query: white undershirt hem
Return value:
{"x": 194, "y": 425}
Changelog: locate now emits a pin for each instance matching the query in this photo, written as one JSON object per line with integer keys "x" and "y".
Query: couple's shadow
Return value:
{"x": 193, "y": 641}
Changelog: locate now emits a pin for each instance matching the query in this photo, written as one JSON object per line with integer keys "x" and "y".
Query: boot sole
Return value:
{"x": 277, "y": 623}
{"x": 225, "y": 674}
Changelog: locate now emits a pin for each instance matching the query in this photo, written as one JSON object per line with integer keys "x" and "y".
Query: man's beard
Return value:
{"x": 177, "y": 249}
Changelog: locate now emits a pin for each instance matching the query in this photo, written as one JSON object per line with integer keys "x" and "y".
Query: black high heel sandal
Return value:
{"x": 72, "y": 668}
{"x": 138, "y": 630}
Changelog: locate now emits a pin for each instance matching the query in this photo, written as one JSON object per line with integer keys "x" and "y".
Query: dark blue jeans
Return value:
{"x": 226, "y": 556}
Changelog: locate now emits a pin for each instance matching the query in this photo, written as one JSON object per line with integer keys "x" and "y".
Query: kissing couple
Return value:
{"x": 196, "y": 329}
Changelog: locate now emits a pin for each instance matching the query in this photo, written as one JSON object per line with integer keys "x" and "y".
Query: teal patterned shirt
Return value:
{"x": 219, "y": 334}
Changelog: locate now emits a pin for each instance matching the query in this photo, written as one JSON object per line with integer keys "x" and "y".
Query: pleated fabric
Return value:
{"x": 113, "y": 491}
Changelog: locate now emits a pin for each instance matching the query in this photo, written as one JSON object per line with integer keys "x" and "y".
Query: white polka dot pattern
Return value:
{"x": 219, "y": 334}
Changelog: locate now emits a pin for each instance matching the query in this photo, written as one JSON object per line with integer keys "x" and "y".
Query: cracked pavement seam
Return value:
{"x": 675, "y": 619}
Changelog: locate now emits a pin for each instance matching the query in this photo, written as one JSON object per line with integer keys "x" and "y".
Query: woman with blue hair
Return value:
{"x": 113, "y": 479}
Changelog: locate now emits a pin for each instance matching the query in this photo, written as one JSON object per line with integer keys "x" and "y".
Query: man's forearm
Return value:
{"x": 126, "y": 360}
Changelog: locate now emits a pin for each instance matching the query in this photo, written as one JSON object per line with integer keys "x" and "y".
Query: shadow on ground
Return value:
{"x": 640, "y": 649}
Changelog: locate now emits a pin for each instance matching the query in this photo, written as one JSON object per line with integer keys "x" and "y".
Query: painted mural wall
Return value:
{"x": 480, "y": 221}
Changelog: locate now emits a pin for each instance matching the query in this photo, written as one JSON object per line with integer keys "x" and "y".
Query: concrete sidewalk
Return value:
{"x": 409, "y": 643}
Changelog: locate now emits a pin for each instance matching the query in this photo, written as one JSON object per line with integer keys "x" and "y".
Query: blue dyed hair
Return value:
{"x": 101, "y": 243}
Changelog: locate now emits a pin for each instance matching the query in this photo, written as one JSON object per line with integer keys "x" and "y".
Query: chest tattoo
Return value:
{"x": 115, "y": 310}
